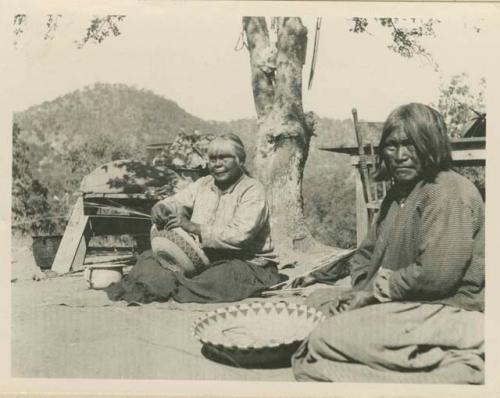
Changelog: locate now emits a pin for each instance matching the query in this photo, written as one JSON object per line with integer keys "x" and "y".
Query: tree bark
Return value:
{"x": 262, "y": 84}
{"x": 284, "y": 132}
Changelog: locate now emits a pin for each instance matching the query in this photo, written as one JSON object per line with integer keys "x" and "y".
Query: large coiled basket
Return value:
{"x": 256, "y": 335}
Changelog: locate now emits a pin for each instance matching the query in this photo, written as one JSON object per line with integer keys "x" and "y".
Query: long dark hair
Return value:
{"x": 426, "y": 130}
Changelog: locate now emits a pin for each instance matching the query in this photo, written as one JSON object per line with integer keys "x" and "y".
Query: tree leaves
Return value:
{"x": 457, "y": 100}
{"x": 186, "y": 151}
{"x": 30, "y": 205}
{"x": 458, "y": 103}
{"x": 19, "y": 26}
{"x": 360, "y": 25}
{"x": 52, "y": 24}
{"x": 406, "y": 35}
{"x": 101, "y": 28}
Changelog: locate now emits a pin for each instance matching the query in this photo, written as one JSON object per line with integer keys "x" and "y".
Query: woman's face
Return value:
{"x": 401, "y": 159}
{"x": 223, "y": 164}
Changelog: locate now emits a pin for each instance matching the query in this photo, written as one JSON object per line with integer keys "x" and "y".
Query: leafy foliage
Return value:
{"x": 100, "y": 28}
{"x": 19, "y": 26}
{"x": 406, "y": 35}
{"x": 329, "y": 182}
{"x": 458, "y": 103}
{"x": 186, "y": 151}
{"x": 52, "y": 24}
{"x": 30, "y": 207}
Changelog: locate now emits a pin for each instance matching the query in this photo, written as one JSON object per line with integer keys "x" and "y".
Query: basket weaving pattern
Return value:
{"x": 257, "y": 333}
{"x": 168, "y": 244}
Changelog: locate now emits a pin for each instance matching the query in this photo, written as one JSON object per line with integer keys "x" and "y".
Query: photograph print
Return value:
{"x": 205, "y": 193}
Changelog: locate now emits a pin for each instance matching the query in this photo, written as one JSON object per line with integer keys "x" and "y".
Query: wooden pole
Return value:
{"x": 362, "y": 158}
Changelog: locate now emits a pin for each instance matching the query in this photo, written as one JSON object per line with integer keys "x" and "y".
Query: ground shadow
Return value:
{"x": 256, "y": 359}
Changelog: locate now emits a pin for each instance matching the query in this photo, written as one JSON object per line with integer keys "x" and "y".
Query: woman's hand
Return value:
{"x": 350, "y": 301}
{"x": 181, "y": 221}
{"x": 303, "y": 281}
{"x": 159, "y": 215}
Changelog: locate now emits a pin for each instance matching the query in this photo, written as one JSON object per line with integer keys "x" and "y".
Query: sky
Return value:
{"x": 190, "y": 58}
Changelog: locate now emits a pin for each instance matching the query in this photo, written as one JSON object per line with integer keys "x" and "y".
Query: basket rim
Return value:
{"x": 195, "y": 330}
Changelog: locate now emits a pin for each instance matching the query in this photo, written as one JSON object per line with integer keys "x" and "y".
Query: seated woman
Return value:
{"x": 415, "y": 310}
{"x": 228, "y": 213}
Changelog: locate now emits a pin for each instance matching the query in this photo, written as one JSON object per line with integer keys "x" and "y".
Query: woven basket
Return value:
{"x": 257, "y": 334}
{"x": 180, "y": 250}
{"x": 45, "y": 249}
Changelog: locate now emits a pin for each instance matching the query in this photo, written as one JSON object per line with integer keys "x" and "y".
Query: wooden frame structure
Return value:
{"x": 88, "y": 220}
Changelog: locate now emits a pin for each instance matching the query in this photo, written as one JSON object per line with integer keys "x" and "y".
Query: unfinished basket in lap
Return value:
{"x": 177, "y": 248}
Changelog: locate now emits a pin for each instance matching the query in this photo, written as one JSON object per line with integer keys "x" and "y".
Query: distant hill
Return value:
{"x": 72, "y": 135}
{"x": 113, "y": 111}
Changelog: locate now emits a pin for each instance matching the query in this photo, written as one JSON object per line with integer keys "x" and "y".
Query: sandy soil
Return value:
{"x": 61, "y": 329}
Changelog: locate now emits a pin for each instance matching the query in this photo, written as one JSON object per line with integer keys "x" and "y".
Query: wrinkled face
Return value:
{"x": 223, "y": 164}
{"x": 401, "y": 159}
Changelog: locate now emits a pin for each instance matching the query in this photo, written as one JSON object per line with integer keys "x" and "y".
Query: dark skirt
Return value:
{"x": 225, "y": 281}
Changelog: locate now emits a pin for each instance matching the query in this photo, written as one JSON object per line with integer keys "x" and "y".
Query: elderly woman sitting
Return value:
{"x": 228, "y": 213}
{"x": 415, "y": 310}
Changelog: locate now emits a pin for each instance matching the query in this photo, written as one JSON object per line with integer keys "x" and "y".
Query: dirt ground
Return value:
{"x": 61, "y": 329}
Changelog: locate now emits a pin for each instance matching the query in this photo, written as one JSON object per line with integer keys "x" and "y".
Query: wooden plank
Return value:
{"x": 80, "y": 254}
{"x": 460, "y": 144}
{"x": 95, "y": 195}
{"x": 469, "y": 162}
{"x": 459, "y": 155}
{"x": 72, "y": 249}
{"x": 469, "y": 154}
{"x": 361, "y": 212}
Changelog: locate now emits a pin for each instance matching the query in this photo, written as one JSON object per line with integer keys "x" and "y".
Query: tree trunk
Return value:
{"x": 284, "y": 131}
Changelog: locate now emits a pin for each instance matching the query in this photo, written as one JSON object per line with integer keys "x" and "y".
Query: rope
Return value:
{"x": 241, "y": 42}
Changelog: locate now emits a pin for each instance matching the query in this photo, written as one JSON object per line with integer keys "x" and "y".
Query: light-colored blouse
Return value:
{"x": 234, "y": 223}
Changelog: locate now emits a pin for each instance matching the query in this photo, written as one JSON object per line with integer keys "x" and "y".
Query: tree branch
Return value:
{"x": 52, "y": 24}
{"x": 19, "y": 25}
{"x": 262, "y": 78}
{"x": 405, "y": 40}
{"x": 100, "y": 28}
